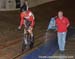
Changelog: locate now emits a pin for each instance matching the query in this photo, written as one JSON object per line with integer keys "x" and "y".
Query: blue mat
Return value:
{"x": 47, "y": 49}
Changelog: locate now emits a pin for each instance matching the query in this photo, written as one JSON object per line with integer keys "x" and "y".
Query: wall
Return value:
{"x": 33, "y": 3}
{"x": 11, "y": 4}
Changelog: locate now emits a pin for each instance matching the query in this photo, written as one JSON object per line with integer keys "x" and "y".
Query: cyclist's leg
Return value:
{"x": 24, "y": 41}
{"x": 23, "y": 45}
{"x": 25, "y": 37}
{"x": 32, "y": 37}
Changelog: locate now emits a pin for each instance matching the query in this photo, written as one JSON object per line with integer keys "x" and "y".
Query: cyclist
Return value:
{"x": 27, "y": 19}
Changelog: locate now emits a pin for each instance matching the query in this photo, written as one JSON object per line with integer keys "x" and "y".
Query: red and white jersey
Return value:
{"x": 29, "y": 16}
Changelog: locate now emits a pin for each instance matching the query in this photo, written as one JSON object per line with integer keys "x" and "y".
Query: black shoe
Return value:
{"x": 62, "y": 52}
{"x": 31, "y": 45}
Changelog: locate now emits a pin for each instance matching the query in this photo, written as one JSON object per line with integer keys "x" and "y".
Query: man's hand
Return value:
{"x": 67, "y": 25}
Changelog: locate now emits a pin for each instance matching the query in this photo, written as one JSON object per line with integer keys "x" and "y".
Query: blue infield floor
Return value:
{"x": 46, "y": 49}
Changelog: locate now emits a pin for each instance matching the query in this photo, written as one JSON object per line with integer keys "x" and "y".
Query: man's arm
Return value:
{"x": 68, "y": 23}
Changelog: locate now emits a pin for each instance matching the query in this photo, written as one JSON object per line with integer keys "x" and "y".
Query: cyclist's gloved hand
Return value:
{"x": 19, "y": 28}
